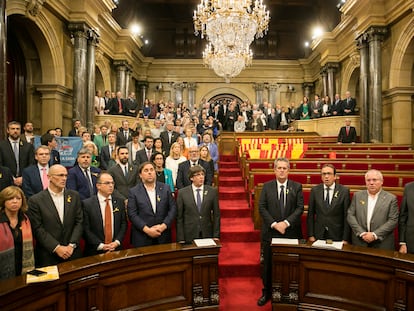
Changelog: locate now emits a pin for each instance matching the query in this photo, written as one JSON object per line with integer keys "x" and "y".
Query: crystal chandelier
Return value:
{"x": 230, "y": 26}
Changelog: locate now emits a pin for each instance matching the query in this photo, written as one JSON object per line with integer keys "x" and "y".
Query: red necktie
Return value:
{"x": 108, "y": 223}
{"x": 347, "y": 131}
{"x": 45, "y": 179}
{"x": 119, "y": 105}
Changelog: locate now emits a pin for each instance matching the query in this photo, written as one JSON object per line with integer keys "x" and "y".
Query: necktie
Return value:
{"x": 108, "y": 222}
{"x": 327, "y": 205}
{"x": 45, "y": 179}
{"x": 119, "y": 106}
{"x": 126, "y": 135}
{"x": 194, "y": 164}
{"x": 16, "y": 156}
{"x": 89, "y": 182}
{"x": 282, "y": 199}
{"x": 110, "y": 151}
{"x": 149, "y": 155}
{"x": 126, "y": 171}
{"x": 347, "y": 131}
{"x": 198, "y": 200}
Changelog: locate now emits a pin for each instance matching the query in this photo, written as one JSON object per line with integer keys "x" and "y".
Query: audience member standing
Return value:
{"x": 144, "y": 155}
{"x": 75, "y": 130}
{"x": 328, "y": 207}
{"x": 347, "y": 134}
{"x": 35, "y": 177}
{"x": 108, "y": 151}
{"x": 49, "y": 140}
{"x": 281, "y": 208}
{"x": 348, "y": 104}
{"x": 151, "y": 209}
{"x": 56, "y": 217}
{"x": 168, "y": 137}
{"x": 15, "y": 153}
{"x": 198, "y": 212}
{"x": 406, "y": 220}
{"x": 373, "y": 214}
{"x": 104, "y": 220}
{"x": 124, "y": 135}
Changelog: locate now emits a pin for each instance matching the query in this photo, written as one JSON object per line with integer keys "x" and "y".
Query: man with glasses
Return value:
{"x": 281, "y": 208}
{"x": 328, "y": 207}
{"x": 373, "y": 214}
{"x": 104, "y": 219}
{"x": 198, "y": 212}
{"x": 183, "y": 169}
{"x": 56, "y": 218}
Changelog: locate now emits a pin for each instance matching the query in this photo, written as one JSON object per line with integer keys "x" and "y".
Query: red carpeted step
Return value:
{"x": 230, "y": 172}
{"x": 228, "y": 158}
{"x": 234, "y": 208}
{"x": 231, "y": 193}
{"x": 228, "y": 181}
{"x": 238, "y": 230}
{"x": 241, "y": 294}
{"x": 239, "y": 259}
{"x": 229, "y": 165}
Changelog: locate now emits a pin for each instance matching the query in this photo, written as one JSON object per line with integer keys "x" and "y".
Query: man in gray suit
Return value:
{"x": 373, "y": 214}
{"x": 328, "y": 207}
{"x": 198, "y": 212}
{"x": 406, "y": 220}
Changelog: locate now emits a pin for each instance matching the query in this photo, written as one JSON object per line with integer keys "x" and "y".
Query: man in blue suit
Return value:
{"x": 95, "y": 222}
{"x": 151, "y": 209}
{"x": 82, "y": 177}
{"x": 35, "y": 177}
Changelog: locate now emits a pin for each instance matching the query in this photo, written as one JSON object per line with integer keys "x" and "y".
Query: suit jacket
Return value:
{"x": 105, "y": 157}
{"x": 54, "y": 157}
{"x": 98, "y": 140}
{"x": 6, "y": 177}
{"x": 122, "y": 183}
{"x": 32, "y": 181}
{"x": 94, "y": 232}
{"x": 270, "y": 210}
{"x": 348, "y": 105}
{"x": 191, "y": 222}
{"x": 48, "y": 229}
{"x": 406, "y": 219}
{"x": 26, "y": 156}
{"x": 141, "y": 156}
{"x": 114, "y": 106}
{"x": 329, "y": 223}
{"x": 120, "y": 137}
{"x": 350, "y": 138}
{"x": 383, "y": 221}
{"x": 77, "y": 181}
{"x": 141, "y": 214}
{"x": 165, "y": 144}
{"x": 182, "y": 174}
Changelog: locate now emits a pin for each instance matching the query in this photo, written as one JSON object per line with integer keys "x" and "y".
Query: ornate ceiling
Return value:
{"x": 168, "y": 26}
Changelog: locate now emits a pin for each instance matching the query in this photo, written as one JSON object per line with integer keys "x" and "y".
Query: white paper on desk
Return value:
{"x": 285, "y": 241}
{"x": 323, "y": 244}
{"x": 52, "y": 273}
{"x": 204, "y": 242}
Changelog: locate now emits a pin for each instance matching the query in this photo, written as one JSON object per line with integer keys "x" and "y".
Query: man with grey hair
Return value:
{"x": 373, "y": 214}
{"x": 281, "y": 208}
{"x": 168, "y": 137}
{"x": 82, "y": 177}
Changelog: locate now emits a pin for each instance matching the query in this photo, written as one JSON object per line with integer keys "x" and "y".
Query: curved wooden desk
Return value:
{"x": 354, "y": 278}
{"x": 161, "y": 277}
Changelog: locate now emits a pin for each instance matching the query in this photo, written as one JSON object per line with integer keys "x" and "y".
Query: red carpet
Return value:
{"x": 239, "y": 262}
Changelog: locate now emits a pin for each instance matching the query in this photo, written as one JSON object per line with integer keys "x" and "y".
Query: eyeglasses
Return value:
{"x": 107, "y": 183}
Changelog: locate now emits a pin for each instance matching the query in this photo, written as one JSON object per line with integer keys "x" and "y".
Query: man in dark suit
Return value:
{"x": 56, "y": 218}
{"x": 373, "y": 214}
{"x": 328, "y": 207}
{"x": 106, "y": 151}
{"x": 15, "y": 153}
{"x": 117, "y": 105}
{"x": 151, "y": 209}
{"x": 35, "y": 177}
{"x": 348, "y": 104}
{"x": 281, "y": 208}
{"x": 406, "y": 220}
{"x": 6, "y": 177}
{"x": 198, "y": 212}
{"x": 183, "y": 169}
{"x": 124, "y": 135}
{"x": 28, "y": 135}
{"x": 168, "y": 137}
{"x": 49, "y": 140}
{"x": 124, "y": 174}
{"x": 75, "y": 130}
{"x": 82, "y": 177}
{"x": 145, "y": 153}
{"x": 347, "y": 134}
{"x": 336, "y": 107}
{"x": 103, "y": 234}
{"x": 131, "y": 105}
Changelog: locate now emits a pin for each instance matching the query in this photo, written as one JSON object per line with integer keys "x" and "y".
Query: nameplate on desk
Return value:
{"x": 328, "y": 244}
{"x": 51, "y": 274}
{"x": 285, "y": 241}
{"x": 204, "y": 242}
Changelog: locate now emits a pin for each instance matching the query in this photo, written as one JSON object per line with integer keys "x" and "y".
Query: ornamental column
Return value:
{"x": 3, "y": 69}
{"x": 128, "y": 74}
{"x": 272, "y": 93}
{"x": 93, "y": 40}
{"x": 259, "y": 88}
{"x": 121, "y": 68}
{"x": 331, "y": 69}
{"x": 362, "y": 46}
{"x": 191, "y": 86}
{"x": 324, "y": 76}
{"x": 142, "y": 87}
{"x": 307, "y": 89}
{"x": 79, "y": 31}
{"x": 178, "y": 92}
{"x": 375, "y": 37}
